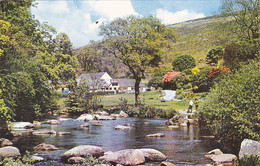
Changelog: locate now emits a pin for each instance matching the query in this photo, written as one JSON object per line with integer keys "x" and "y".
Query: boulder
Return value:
{"x": 53, "y": 122}
{"x": 44, "y": 147}
{"x": 167, "y": 164}
{"x": 215, "y": 152}
{"x": 44, "y": 132}
{"x": 63, "y": 119}
{"x": 104, "y": 113}
{"x": 83, "y": 150}
{"x": 224, "y": 158}
{"x": 156, "y": 135}
{"x": 153, "y": 155}
{"x": 5, "y": 142}
{"x": 121, "y": 127}
{"x": 76, "y": 160}
{"x": 173, "y": 126}
{"x": 9, "y": 151}
{"x": 249, "y": 147}
{"x": 122, "y": 114}
{"x": 85, "y": 117}
{"x": 21, "y": 125}
{"x": 125, "y": 157}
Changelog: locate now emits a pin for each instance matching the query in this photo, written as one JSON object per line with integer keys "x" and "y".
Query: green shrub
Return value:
{"x": 252, "y": 160}
{"x": 231, "y": 110}
{"x": 183, "y": 62}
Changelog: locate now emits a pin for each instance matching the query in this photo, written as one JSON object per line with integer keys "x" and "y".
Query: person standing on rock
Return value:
{"x": 190, "y": 106}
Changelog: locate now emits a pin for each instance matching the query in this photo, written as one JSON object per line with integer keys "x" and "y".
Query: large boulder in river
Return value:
{"x": 125, "y": 157}
{"x": 153, "y": 155}
{"x": 44, "y": 132}
{"x": 249, "y": 147}
{"x": 53, "y": 122}
{"x": 218, "y": 157}
{"x": 121, "y": 127}
{"x": 83, "y": 150}
{"x": 9, "y": 151}
{"x": 104, "y": 117}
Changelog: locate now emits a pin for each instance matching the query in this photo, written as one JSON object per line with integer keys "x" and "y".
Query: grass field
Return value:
{"x": 147, "y": 98}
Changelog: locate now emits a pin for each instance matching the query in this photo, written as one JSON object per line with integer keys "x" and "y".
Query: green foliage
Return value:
{"x": 183, "y": 62}
{"x": 83, "y": 100}
{"x": 231, "y": 110}
{"x": 24, "y": 160}
{"x": 214, "y": 55}
{"x": 252, "y": 160}
{"x": 123, "y": 104}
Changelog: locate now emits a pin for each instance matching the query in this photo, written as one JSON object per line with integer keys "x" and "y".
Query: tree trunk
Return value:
{"x": 137, "y": 91}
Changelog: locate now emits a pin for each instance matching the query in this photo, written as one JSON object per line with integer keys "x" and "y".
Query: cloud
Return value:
{"x": 78, "y": 18}
{"x": 170, "y": 18}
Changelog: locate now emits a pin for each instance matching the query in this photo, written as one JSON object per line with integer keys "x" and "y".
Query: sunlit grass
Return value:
{"x": 147, "y": 98}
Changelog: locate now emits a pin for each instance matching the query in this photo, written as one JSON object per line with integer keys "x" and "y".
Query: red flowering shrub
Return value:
{"x": 215, "y": 72}
{"x": 169, "y": 76}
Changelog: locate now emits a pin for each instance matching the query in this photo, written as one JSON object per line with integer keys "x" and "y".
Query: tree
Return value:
{"x": 183, "y": 62}
{"x": 245, "y": 14}
{"x": 138, "y": 42}
{"x": 214, "y": 55}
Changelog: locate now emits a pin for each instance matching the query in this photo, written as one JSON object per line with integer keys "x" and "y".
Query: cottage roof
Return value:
{"x": 93, "y": 79}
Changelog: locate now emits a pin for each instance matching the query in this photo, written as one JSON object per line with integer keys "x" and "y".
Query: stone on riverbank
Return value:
{"x": 9, "y": 151}
{"x": 153, "y": 155}
{"x": 218, "y": 157}
{"x": 45, "y": 147}
{"x": 53, "y": 122}
{"x": 157, "y": 135}
{"x": 5, "y": 142}
{"x": 61, "y": 133}
{"x": 122, "y": 114}
{"x": 125, "y": 157}
{"x": 249, "y": 147}
{"x": 83, "y": 150}
{"x": 37, "y": 159}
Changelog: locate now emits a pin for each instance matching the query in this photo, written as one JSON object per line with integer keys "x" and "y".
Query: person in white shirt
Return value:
{"x": 190, "y": 106}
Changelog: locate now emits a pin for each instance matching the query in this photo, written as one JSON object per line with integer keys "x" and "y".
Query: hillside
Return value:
{"x": 197, "y": 37}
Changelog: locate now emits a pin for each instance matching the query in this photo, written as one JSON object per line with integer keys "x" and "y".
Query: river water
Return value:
{"x": 182, "y": 146}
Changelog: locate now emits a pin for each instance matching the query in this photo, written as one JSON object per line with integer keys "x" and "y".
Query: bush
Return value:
{"x": 231, "y": 110}
{"x": 183, "y": 62}
{"x": 252, "y": 160}
{"x": 214, "y": 55}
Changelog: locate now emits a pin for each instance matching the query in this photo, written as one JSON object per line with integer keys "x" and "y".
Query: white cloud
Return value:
{"x": 180, "y": 16}
{"x": 79, "y": 21}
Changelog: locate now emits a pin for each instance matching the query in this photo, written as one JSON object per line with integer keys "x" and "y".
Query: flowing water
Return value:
{"x": 182, "y": 146}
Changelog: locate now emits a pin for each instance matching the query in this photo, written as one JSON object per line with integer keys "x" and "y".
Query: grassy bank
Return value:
{"x": 147, "y": 98}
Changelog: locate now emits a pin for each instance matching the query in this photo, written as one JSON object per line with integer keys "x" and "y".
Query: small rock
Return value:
{"x": 60, "y": 133}
{"x": 85, "y": 125}
{"x": 173, "y": 127}
{"x": 45, "y": 147}
{"x": 121, "y": 127}
{"x": 9, "y": 151}
{"x": 19, "y": 125}
{"x": 53, "y": 122}
{"x": 95, "y": 123}
{"x": 85, "y": 117}
{"x": 44, "y": 132}
{"x": 5, "y": 142}
{"x": 167, "y": 164}
{"x": 36, "y": 123}
{"x": 156, "y": 135}
{"x": 122, "y": 114}
{"x": 76, "y": 160}
{"x": 37, "y": 159}
{"x": 104, "y": 117}
{"x": 215, "y": 152}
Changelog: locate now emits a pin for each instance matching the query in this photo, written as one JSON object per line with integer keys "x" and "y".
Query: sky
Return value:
{"x": 77, "y": 18}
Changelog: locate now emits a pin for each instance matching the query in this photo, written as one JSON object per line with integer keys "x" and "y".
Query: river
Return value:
{"x": 182, "y": 146}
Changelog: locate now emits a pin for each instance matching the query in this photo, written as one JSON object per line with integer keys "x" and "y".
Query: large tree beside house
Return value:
{"x": 138, "y": 42}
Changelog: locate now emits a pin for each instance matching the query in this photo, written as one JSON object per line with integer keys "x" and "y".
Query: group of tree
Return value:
{"x": 31, "y": 62}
